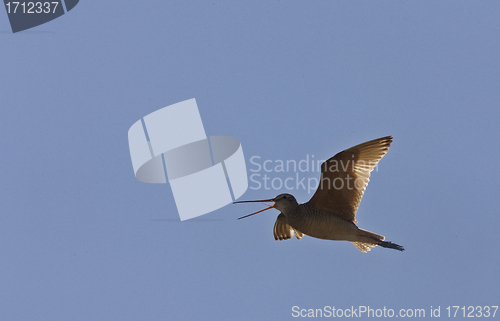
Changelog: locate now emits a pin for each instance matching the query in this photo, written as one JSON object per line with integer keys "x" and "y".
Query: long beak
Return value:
{"x": 258, "y": 201}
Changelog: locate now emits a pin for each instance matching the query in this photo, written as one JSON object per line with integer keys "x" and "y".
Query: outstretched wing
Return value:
{"x": 283, "y": 231}
{"x": 344, "y": 178}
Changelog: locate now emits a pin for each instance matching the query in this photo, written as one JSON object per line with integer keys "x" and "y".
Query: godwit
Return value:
{"x": 331, "y": 213}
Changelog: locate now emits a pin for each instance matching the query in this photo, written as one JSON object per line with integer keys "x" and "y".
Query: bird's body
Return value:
{"x": 306, "y": 219}
{"x": 330, "y": 214}
{"x": 321, "y": 225}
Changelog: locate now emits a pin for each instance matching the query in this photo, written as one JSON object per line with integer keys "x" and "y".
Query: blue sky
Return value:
{"x": 82, "y": 239}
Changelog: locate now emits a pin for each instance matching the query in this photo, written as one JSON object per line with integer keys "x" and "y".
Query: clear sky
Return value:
{"x": 82, "y": 239}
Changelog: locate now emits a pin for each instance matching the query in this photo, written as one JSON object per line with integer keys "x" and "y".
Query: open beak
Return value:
{"x": 258, "y": 201}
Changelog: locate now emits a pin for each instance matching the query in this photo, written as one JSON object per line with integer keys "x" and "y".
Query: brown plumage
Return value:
{"x": 331, "y": 213}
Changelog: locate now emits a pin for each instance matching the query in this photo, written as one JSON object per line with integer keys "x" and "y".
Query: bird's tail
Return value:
{"x": 391, "y": 245}
{"x": 367, "y": 239}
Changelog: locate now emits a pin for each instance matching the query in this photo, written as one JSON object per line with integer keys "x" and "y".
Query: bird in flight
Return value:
{"x": 331, "y": 213}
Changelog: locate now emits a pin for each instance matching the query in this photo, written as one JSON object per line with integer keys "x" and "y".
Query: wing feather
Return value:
{"x": 283, "y": 231}
{"x": 344, "y": 178}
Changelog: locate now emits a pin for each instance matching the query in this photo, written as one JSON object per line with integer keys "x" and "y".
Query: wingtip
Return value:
{"x": 388, "y": 138}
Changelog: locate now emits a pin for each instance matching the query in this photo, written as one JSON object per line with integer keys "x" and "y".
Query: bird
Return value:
{"x": 330, "y": 214}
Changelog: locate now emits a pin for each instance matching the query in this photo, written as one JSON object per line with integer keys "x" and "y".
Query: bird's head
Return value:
{"x": 283, "y": 202}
